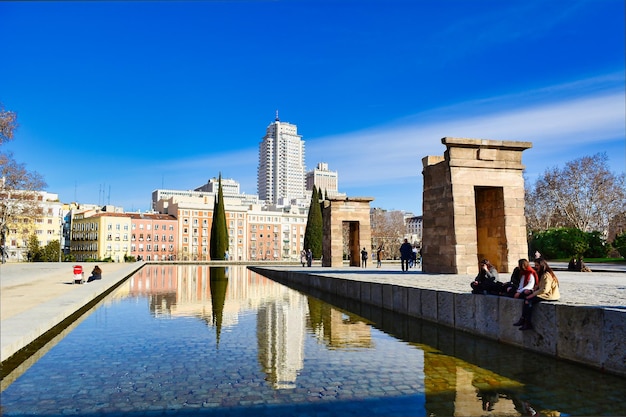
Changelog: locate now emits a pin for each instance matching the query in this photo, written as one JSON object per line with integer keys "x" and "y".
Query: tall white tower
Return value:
{"x": 280, "y": 175}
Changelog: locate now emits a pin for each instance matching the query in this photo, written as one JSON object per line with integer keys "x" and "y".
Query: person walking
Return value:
{"x": 309, "y": 257}
{"x": 303, "y": 257}
{"x": 406, "y": 251}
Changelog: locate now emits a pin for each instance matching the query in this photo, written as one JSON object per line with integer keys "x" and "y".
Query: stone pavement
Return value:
{"x": 35, "y": 297}
{"x": 605, "y": 286}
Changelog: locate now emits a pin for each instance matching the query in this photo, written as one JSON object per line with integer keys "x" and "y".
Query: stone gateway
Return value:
{"x": 473, "y": 206}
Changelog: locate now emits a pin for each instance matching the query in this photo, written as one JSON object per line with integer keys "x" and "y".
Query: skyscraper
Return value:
{"x": 281, "y": 170}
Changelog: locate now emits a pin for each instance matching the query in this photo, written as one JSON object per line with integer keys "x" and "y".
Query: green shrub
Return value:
{"x": 560, "y": 243}
{"x": 598, "y": 247}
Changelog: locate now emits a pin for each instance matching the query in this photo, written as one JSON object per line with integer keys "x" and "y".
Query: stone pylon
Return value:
{"x": 473, "y": 206}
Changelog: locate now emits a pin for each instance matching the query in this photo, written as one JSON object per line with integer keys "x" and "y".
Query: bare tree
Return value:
{"x": 388, "y": 229}
{"x": 8, "y": 124}
{"x": 19, "y": 188}
{"x": 585, "y": 195}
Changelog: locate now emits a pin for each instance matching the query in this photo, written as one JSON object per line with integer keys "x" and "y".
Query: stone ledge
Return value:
{"x": 588, "y": 335}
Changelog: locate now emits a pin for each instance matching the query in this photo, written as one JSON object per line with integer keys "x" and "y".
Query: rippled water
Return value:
{"x": 194, "y": 340}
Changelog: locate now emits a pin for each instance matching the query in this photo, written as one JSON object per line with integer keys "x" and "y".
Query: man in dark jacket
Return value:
{"x": 406, "y": 252}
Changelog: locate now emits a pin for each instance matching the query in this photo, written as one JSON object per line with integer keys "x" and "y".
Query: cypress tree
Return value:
{"x": 314, "y": 232}
{"x": 219, "y": 228}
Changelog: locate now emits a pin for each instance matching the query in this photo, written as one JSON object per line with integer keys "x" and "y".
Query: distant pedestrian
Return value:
{"x": 406, "y": 252}
{"x": 303, "y": 257}
{"x": 537, "y": 254}
{"x": 379, "y": 256}
{"x": 363, "y": 258}
{"x": 96, "y": 273}
{"x": 309, "y": 257}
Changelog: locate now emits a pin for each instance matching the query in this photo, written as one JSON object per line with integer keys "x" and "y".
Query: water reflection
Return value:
{"x": 338, "y": 329}
{"x": 191, "y": 349}
{"x": 470, "y": 376}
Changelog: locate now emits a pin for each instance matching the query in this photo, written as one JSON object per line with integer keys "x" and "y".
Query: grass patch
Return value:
{"x": 598, "y": 260}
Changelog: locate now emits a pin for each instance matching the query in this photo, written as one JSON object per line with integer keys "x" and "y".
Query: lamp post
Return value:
{"x": 60, "y": 239}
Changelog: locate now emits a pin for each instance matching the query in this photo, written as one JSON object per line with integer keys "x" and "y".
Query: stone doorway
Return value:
{"x": 490, "y": 233}
{"x": 353, "y": 243}
{"x": 350, "y": 212}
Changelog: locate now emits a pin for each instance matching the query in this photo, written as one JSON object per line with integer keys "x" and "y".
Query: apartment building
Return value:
{"x": 153, "y": 236}
{"x": 45, "y": 222}
{"x": 294, "y": 220}
{"x": 208, "y": 192}
{"x": 414, "y": 227}
{"x": 195, "y": 218}
{"x": 100, "y": 235}
{"x": 264, "y": 231}
{"x": 323, "y": 179}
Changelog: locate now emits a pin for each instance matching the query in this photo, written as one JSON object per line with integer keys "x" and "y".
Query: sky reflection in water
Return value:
{"x": 191, "y": 340}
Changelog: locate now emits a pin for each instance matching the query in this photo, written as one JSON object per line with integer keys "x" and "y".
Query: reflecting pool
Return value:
{"x": 198, "y": 340}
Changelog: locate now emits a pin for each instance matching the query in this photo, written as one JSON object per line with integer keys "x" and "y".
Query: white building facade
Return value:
{"x": 325, "y": 180}
{"x": 281, "y": 170}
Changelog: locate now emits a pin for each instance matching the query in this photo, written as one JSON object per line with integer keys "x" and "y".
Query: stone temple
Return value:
{"x": 473, "y": 206}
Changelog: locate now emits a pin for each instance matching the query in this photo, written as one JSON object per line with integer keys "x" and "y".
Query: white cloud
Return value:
{"x": 393, "y": 152}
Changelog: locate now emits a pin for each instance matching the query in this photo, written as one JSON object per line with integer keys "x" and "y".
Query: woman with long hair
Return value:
{"x": 528, "y": 279}
{"x": 485, "y": 281}
{"x": 547, "y": 290}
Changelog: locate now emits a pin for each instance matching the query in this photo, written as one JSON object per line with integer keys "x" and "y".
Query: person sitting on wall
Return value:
{"x": 485, "y": 281}
{"x": 546, "y": 290}
{"x": 528, "y": 279}
{"x": 509, "y": 288}
{"x": 96, "y": 273}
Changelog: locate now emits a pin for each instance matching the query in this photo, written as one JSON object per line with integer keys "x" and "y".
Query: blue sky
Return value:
{"x": 117, "y": 99}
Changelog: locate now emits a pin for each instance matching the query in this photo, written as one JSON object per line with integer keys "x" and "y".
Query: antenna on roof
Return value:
{"x": 277, "y": 119}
